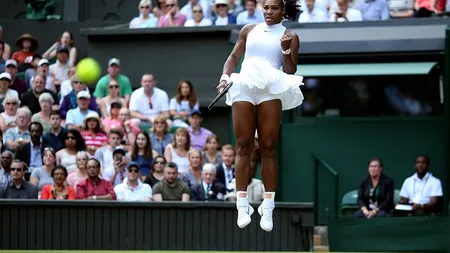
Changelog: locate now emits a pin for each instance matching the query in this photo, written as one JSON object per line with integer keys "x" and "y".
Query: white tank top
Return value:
{"x": 181, "y": 162}
{"x": 264, "y": 42}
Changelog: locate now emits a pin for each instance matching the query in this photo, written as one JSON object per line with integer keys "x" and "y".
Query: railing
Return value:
{"x": 336, "y": 201}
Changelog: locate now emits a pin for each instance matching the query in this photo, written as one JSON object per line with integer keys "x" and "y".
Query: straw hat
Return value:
{"x": 27, "y": 36}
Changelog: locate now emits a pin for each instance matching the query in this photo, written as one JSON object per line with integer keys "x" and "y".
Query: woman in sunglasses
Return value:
{"x": 145, "y": 19}
{"x": 81, "y": 174}
{"x": 112, "y": 97}
{"x": 73, "y": 143}
{"x": 157, "y": 171}
{"x": 42, "y": 176}
{"x": 58, "y": 190}
{"x": 8, "y": 118}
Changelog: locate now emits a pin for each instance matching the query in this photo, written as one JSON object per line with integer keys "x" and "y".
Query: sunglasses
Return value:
{"x": 197, "y": 11}
{"x": 133, "y": 170}
{"x": 11, "y": 103}
{"x": 150, "y": 104}
{"x": 159, "y": 122}
{"x": 170, "y": 5}
{"x": 145, "y": 7}
{"x": 49, "y": 149}
{"x": 16, "y": 169}
{"x": 114, "y": 86}
{"x": 70, "y": 138}
{"x": 221, "y": 5}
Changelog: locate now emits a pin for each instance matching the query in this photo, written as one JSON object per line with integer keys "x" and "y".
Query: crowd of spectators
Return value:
{"x": 61, "y": 140}
{"x": 169, "y": 13}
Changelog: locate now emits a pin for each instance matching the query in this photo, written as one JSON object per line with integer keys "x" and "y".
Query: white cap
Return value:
{"x": 221, "y": 2}
{"x": 114, "y": 61}
{"x": 84, "y": 94}
{"x": 93, "y": 115}
{"x": 42, "y": 62}
{"x": 5, "y": 75}
{"x": 11, "y": 62}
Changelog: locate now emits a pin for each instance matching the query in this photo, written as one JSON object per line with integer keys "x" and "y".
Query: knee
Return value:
{"x": 244, "y": 146}
{"x": 268, "y": 148}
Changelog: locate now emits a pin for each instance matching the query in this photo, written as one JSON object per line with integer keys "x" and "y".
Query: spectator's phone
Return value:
{"x": 119, "y": 158}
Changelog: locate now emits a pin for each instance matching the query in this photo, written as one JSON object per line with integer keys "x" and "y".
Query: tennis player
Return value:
{"x": 259, "y": 94}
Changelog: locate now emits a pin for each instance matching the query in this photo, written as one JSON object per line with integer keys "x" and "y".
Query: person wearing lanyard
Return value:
{"x": 422, "y": 190}
{"x": 376, "y": 192}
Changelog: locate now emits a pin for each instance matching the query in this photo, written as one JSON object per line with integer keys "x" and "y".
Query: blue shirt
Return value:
{"x": 76, "y": 116}
{"x": 158, "y": 145}
{"x": 35, "y": 157}
{"x": 374, "y": 9}
{"x": 243, "y": 18}
{"x": 2, "y": 65}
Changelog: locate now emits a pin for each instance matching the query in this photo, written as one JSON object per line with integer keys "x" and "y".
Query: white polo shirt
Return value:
{"x": 420, "y": 191}
{"x": 126, "y": 193}
{"x": 159, "y": 102}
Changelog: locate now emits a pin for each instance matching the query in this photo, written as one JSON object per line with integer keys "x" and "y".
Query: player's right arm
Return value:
{"x": 233, "y": 59}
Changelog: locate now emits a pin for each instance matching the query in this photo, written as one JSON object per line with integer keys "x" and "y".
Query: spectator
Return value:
{"x": 8, "y": 118}
{"x": 132, "y": 189}
{"x": 312, "y": 14}
{"x": 222, "y": 16}
{"x": 198, "y": 18}
{"x": 197, "y": 133}
{"x": 255, "y": 190}
{"x": 43, "y": 68}
{"x": 170, "y": 189}
{"x": 120, "y": 163}
{"x": 148, "y": 101}
{"x": 235, "y": 7}
{"x": 160, "y": 135}
{"x": 211, "y": 154}
{"x": 345, "y": 14}
{"x": 225, "y": 172}
{"x": 188, "y": 9}
{"x": 5, "y": 169}
{"x": 19, "y": 135}
{"x": 2, "y": 59}
{"x": 146, "y": 19}
{"x": 66, "y": 40}
{"x": 105, "y": 154}
{"x": 70, "y": 100}
{"x": 58, "y": 190}
{"x": 111, "y": 120}
{"x": 81, "y": 173}
{"x": 31, "y": 97}
{"x": 94, "y": 187}
{"x": 376, "y": 192}
{"x": 208, "y": 189}
{"x": 113, "y": 96}
{"x": 27, "y": 45}
{"x": 101, "y": 89}
{"x": 401, "y": 8}
{"x": 183, "y": 104}
{"x": 54, "y": 137}
{"x": 130, "y": 127}
{"x": 251, "y": 15}
{"x": 177, "y": 151}
{"x": 75, "y": 117}
{"x": 193, "y": 176}
{"x": 59, "y": 71}
{"x": 93, "y": 135}
{"x": 426, "y": 8}
{"x": 66, "y": 86}
{"x": 16, "y": 84}
{"x": 142, "y": 153}
{"x": 43, "y": 117}
{"x": 31, "y": 72}
{"x": 41, "y": 176}
{"x": 18, "y": 188}
{"x": 374, "y": 10}
{"x": 422, "y": 190}
{"x": 173, "y": 17}
{"x": 156, "y": 174}
{"x": 5, "y": 91}
{"x": 31, "y": 153}
{"x": 6, "y": 48}
{"x": 73, "y": 143}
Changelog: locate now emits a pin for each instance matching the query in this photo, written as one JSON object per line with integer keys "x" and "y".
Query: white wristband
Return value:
{"x": 287, "y": 52}
{"x": 225, "y": 77}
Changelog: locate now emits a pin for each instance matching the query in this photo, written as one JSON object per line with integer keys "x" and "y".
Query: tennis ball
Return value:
{"x": 88, "y": 71}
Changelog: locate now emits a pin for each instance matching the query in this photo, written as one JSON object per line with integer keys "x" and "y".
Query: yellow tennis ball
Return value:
{"x": 88, "y": 71}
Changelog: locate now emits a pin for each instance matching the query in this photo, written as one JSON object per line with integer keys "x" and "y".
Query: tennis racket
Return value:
{"x": 220, "y": 95}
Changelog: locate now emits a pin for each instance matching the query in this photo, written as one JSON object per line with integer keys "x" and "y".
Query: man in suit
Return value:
{"x": 32, "y": 153}
{"x": 225, "y": 170}
{"x": 208, "y": 189}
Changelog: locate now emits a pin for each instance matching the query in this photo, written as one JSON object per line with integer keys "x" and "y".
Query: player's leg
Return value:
{"x": 268, "y": 125}
{"x": 244, "y": 123}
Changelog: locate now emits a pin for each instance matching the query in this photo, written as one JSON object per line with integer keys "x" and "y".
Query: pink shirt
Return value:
{"x": 96, "y": 141}
{"x": 87, "y": 189}
{"x": 178, "y": 20}
{"x": 440, "y": 5}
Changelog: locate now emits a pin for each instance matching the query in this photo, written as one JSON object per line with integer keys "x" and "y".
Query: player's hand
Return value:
{"x": 221, "y": 86}
{"x": 286, "y": 41}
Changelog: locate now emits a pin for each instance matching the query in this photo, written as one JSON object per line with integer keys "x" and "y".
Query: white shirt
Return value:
{"x": 187, "y": 9}
{"x": 60, "y": 71}
{"x": 420, "y": 191}
{"x": 221, "y": 21}
{"x": 228, "y": 174}
{"x": 66, "y": 88}
{"x": 139, "y": 102}
{"x": 203, "y": 22}
{"x": 125, "y": 193}
{"x": 352, "y": 15}
{"x": 316, "y": 16}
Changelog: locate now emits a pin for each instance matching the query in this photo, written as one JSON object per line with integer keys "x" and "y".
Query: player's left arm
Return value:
{"x": 290, "y": 44}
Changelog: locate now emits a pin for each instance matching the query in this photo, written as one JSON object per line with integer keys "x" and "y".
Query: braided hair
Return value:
{"x": 291, "y": 9}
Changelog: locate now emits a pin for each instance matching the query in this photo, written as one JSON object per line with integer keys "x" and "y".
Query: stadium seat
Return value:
{"x": 396, "y": 196}
{"x": 349, "y": 203}
{"x": 173, "y": 129}
{"x": 21, "y": 75}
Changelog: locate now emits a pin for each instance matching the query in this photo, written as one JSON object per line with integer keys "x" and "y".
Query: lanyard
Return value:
{"x": 374, "y": 191}
{"x": 423, "y": 188}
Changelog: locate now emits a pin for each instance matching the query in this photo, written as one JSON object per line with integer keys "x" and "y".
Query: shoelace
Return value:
{"x": 267, "y": 213}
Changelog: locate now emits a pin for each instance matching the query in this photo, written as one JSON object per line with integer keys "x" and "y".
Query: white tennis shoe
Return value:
{"x": 245, "y": 210}
{"x": 266, "y": 212}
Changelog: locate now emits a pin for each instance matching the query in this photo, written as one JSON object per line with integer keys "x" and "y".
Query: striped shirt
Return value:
{"x": 400, "y": 5}
{"x": 96, "y": 141}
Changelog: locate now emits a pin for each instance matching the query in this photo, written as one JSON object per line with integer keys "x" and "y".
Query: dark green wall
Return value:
{"x": 347, "y": 144}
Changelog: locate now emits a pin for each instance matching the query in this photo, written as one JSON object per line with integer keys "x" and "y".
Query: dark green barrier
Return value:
{"x": 399, "y": 234}
{"x": 112, "y": 225}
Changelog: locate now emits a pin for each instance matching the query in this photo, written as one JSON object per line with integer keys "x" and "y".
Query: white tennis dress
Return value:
{"x": 260, "y": 78}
